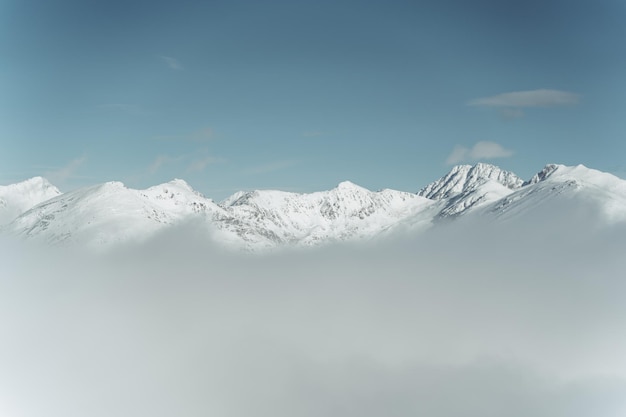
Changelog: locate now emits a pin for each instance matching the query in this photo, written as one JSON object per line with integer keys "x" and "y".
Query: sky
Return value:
{"x": 299, "y": 96}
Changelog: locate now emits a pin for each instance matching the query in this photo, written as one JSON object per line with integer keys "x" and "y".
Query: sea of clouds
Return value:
{"x": 467, "y": 320}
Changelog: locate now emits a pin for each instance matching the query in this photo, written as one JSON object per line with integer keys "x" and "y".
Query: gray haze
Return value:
{"x": 526, "y": 319}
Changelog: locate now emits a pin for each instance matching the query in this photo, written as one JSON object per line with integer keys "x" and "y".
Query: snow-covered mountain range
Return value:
{"x": 103, "y": 215}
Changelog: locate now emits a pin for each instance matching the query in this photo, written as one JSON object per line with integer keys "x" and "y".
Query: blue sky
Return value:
{"x": 300, "y": 95}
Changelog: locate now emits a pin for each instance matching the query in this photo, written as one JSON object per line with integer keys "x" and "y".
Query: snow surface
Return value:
{"x": 602, "y": 196}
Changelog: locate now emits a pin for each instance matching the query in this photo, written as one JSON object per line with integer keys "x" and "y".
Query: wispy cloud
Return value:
{"x": 196, "y": 162}
{"x": 62, "y": 174}
{"x": 531, "y": 98}
{"x": 199, "y": 164}
{"x": 173, "y": 63}
{"x": 480, "y": 150}
{"x": 162, "y": 160}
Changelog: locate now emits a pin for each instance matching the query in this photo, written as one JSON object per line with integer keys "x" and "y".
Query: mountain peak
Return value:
{"x": 38, "y": 180}
{"x": 177, "y": 182}
{"x": 239, "y": 198}
{"x": 38, "y": 183}
{"x": 15, "y": 199}
{"x": 111, "y": 186}
{"x": 462, "y": 178}
{"x": 349, "y": 186}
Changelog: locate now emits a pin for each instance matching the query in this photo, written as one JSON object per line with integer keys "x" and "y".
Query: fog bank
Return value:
{"x": 461, "y": 321}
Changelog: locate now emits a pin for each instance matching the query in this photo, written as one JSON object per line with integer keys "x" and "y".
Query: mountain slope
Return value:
{"x": 15, "y": 199}
{"x": 109, "y": 213}
{"x": 345, "y": 212}
{"x": 467, "y": 187}
{"x": 593, "y": 195}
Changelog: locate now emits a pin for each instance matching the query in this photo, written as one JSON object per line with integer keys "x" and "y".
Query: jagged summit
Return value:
{"x": 543, "y": 174}
{"x": 463, "y": 178}
{"x": 270, "y": 197}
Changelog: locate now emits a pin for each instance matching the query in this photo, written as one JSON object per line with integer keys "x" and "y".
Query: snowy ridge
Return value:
{"x": 345, "y": 212}
{"x": 110, "y": 213}
{"x": 601, "y": 195}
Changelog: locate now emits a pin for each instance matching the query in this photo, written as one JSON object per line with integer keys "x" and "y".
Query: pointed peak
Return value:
{"x": 480, "y": 168}
{"x": 177, "y": 182}
{"x": 176, "y": 185}
{"x": 460, "y": 168}
{"x": 349, "y": 185}
{"x": 240, "y": 198}
{"x": 33, "y": 182}
{"x": 111, "y": 185}
{"x": 485, "y": 167}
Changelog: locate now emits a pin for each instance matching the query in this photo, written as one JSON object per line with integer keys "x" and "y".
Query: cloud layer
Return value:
{"x": 482, "y": 150}
{"x": 522, "y": 321}
{"x": 532, "y": 98}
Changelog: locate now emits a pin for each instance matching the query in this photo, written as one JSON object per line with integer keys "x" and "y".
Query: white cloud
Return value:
{"x": 173, "y": 63}
{"x": 480, "y": 150}
{"x": 489, "y": 150}
{"x": 531, "y": 98}
{"x": 196, "y": 162}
